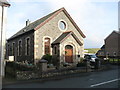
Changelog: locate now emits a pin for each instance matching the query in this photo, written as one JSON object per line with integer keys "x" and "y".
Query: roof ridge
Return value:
{"x": 52, "y": 15}
{"x": 114, "y": 31}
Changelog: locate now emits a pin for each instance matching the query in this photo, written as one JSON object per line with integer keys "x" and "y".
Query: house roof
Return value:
{"x": 65, "y": 35}
{"x": 31, "y": 26}
{"x": 103, "y": 47}
{"x": 4, "y": 3}
{"x": 117, "y": 32}
{"x": 40, "y": 22}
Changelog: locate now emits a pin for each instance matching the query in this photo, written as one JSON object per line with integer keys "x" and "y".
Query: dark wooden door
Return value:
{"x": 69, "y": 55}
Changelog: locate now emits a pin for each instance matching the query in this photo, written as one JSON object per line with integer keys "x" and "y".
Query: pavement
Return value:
{"x": 98, "y": 79}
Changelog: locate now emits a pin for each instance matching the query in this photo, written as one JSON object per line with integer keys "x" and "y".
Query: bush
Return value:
{"x": 48, "y": 57}
{"x": 81, "y": 59}
{"x": 19, "y": 67}
{"x": 81, "y": 64}
{"x": 55, "y": 60}
{"x": 12, "y": 67}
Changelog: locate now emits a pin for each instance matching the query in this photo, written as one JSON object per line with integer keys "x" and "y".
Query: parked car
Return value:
{"x": 90, "y": 57}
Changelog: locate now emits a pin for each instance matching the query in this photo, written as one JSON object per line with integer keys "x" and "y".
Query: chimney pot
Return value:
{"x": 27, "y": 22}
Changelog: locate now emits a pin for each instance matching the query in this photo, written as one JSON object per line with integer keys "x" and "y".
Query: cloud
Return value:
{"x": 94, "y": 17}
{"x": 63, "y": 1}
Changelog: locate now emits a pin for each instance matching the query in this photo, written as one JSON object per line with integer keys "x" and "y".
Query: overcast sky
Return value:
{"x": 96, "y": 18}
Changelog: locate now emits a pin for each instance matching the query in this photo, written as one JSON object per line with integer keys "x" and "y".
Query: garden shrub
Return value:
{"x": 55, "y": 60}
{"x": 48, "y": 57}
{"x": 81, "y": 64}
{"x": 12, "y": 67}
{"x": 81, "y": 59}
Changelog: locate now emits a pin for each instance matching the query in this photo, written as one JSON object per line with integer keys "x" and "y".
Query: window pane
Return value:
{"x": 28, "y": 46}
{"x": 62, "y": 25}
{"x": 47, "y": 45}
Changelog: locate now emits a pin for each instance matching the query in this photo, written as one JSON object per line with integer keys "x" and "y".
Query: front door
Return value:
{"x": 69, "y": 54}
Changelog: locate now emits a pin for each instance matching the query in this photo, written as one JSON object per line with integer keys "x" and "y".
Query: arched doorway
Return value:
{"x": 68, "y": 54}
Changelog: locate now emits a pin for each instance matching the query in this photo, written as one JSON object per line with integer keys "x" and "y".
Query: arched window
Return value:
{"x": 62, "y": 25}
{"x": 8, "y": 49}
{"x": 28, "y": 46}
{"x": 20, "y": 48}
{"x": 47, "y": 45}
{"x": 114, "y": 53}
{"x": 13, "y": 48}
{"x": 107, "y": 54}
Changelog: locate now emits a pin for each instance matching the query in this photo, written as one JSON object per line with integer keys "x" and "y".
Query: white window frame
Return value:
{"x": 65, "y": 23}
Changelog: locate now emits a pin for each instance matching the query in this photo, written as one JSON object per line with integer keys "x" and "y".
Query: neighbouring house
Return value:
{"x": 3, "y": 18}
{"x": 101, "y": 52}
{"x": 56, "y": 34}
{"x": 112, "y": 45}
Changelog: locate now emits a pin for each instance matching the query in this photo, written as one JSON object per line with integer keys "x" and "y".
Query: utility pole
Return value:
{"x": 3, "y": 4}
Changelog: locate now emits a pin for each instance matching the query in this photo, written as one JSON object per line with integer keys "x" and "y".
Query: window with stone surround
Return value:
{"x": 19, "y": 48}
{"x": 28, "y": 46}
{"x": 13, "y": 48}
{"x": 62, "y": 25}
{"x": 47, "y": 46}
{"x": 8, "y": 49}
{"x": 114, "y": 53}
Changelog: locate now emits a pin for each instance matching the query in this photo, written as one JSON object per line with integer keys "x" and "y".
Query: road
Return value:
{"x": 99, "y": 79}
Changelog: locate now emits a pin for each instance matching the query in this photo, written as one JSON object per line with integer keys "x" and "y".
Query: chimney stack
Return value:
{"x": 27, "y": 22}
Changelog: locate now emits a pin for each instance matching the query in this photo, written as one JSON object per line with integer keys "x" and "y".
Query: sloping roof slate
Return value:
{"x": 38, "y": 23}
{"x": 64, "y": 36}
{"x": 31, "y": 26}
{"x": 61, "y": 37}
{"x": 117, "y": 32}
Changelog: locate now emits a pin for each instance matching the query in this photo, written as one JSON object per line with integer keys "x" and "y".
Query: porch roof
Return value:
{"x": 64, "y": 35}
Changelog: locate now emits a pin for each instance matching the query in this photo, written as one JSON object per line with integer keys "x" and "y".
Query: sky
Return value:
{"x": 96, "y": 18}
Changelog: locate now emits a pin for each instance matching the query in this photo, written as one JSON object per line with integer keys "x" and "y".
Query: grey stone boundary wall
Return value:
{"x": 27, "y": 75}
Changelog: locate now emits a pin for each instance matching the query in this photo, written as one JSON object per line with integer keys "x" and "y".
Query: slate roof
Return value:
{"x": 117, "y": 32}
{"x": 64, "y": 35}
{"x": 31, "y": 26}
{"x": 38, "y": 23}
{"x": 103, "y": 47}
{"x": 4, "y": 2}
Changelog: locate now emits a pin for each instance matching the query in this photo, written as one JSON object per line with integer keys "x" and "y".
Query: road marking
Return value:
{"x": 104, "y": 82}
